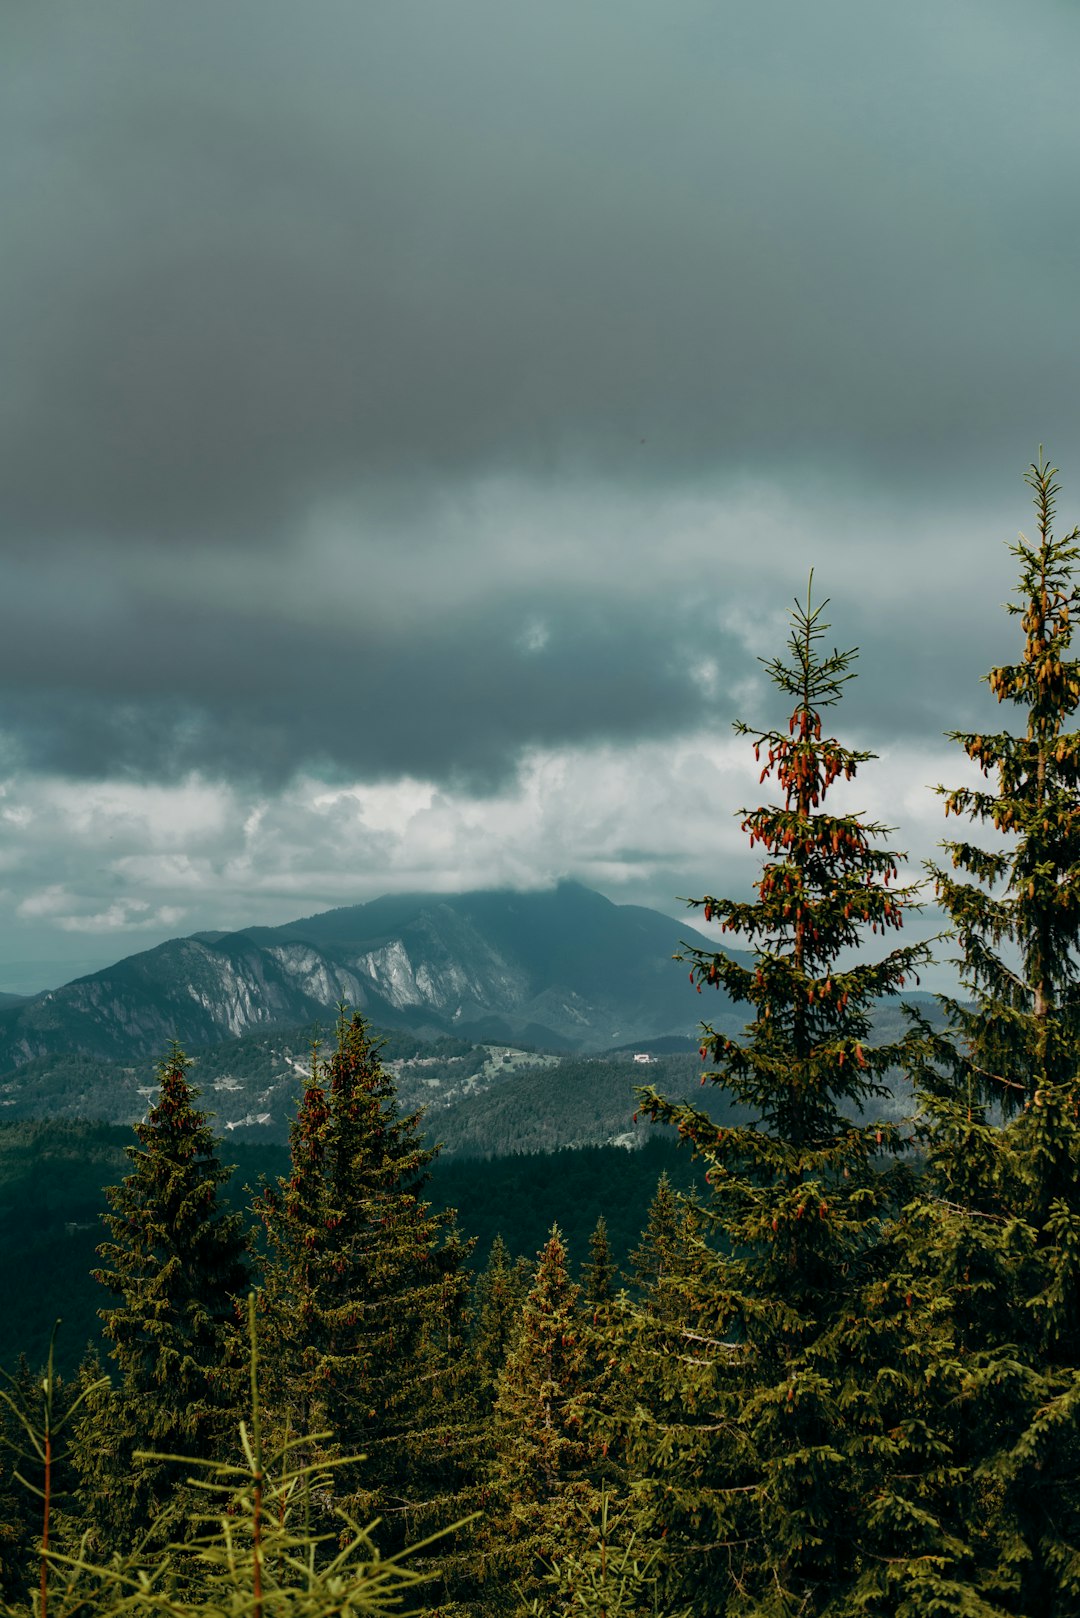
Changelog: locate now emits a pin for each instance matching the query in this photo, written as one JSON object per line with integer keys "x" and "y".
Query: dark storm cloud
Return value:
{"x": 140, "y": 682}
{"x": 263, "y": 250}
{"x": 161, "y": 695}
{"x": 264, "y": 258}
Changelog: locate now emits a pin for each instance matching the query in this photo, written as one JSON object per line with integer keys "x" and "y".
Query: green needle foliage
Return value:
{"x": 257, "y": 1554}
{"x": 606, "y": 1574}
{"x": 546, "y": 1457}
{"x": 665, "y": 1254}
{"x": 367, "y": 1290}
{"x": 176, "y": 1263}
{"x": 1021, "y": 1034}
{"x": 994, "y": 1244}
{"x": 599, "y": 1275}
{"x": 19, "y": 1518}
{"x": 755, "y": 1443}
{"x": 500, "y": 1291}
{"x": 35, "y": 1434}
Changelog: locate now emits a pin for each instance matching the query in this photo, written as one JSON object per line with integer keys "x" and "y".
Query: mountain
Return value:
{"x": 563, "y": 969}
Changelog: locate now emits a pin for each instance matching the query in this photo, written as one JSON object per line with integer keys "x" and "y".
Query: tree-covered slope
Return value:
{"x": 52, "y": 1177}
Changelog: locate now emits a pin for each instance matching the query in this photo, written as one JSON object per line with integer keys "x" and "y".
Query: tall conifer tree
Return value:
{"x": 662, "y": 1260}
{"x": 1020, "y": 1036}
{"x": 176, "y": 1264}
{"x": 547, "y": 1459}
{"x": 368, "y": 1289}
{"x": 500, "y": 1292}
{"x": 997, "y": 1240}
{"x": 598, "y": 1276}
{"x": 760, "y": 1422}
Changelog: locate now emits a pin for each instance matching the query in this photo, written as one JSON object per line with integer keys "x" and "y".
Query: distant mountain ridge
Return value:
{"x": 563, "y": 968}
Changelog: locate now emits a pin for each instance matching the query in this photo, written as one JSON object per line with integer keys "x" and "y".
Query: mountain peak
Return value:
{"x": 563, "y": 962}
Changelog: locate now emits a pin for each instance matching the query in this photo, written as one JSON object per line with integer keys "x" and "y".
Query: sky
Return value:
{"x": 417, "y": 419}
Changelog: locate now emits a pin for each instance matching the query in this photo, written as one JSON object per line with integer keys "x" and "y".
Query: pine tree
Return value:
{"x": 1021, "y": 1036}
{"x": 546, "y": 1461}
{"x": 758, "y": 1439}
{"x": 653, "y": 1256}
{"x": 38, "y": 1414}
{"x": 605, "y": 1573}
{"x": 500, "y": 1291}
{"x": 176, "y": 1263}
{"x": 367, "y": 1289}
{"x": 608, "y": 1384}
{"x": 994, "y": 1247}
{"x": 296, "y": 1216}
{"x": 253, "y": 1549}
{"x": 666, "y": 1252}
{"x": 599, "y": 1274}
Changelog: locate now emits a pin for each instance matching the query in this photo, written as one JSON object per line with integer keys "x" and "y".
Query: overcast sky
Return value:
{"x": 416, "y": 419}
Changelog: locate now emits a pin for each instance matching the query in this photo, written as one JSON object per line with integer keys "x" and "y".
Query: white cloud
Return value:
{"x": 535, "y": 636}
{"x": 705, "y": 674}
{"x": 100, "y": 812}
{"x": 124, "y": 915}
{"x": 644, "y": 823}
{"x": 50, "y": 901}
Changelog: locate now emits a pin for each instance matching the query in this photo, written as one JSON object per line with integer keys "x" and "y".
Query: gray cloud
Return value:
{"x": 456, "y": 700}
{"x": 261, "y": 252}
{"x": 92, "y": 871}
{"x": 444, "y": 644}
{"x": 389, "y": 391}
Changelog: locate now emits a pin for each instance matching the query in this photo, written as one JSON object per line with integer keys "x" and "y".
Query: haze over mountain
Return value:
{"x": 565, "y": 969}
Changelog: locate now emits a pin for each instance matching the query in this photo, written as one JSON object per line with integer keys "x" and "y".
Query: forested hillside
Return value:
{"x": 479, "y": 1100}
{"x": 250, "y": 1084}
{"x": 52, "y": 1200}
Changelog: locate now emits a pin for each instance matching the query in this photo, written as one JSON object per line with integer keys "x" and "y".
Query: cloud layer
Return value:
{"x": 265, "y": 254}
{"x": 107, "y": 865}
{"x": 407, "y": 394}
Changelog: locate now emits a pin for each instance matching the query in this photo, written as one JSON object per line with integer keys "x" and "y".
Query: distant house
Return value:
{"x": 642, "y": 1056}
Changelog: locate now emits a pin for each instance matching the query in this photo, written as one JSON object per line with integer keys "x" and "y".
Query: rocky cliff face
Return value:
{"x": 565, "y": 968}
{"x": 443, "y": 963}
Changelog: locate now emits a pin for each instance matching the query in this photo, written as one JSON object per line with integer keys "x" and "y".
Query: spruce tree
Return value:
{"x": 1020, "y": 1036}
{"x": 367, "y": 1288}
{"x": 608, "y": 1381}
{"x": 176, "y": 1264}
{"x": 38, "y": 1416}
{"x": 546, "y": 1460}
{"x": 994, "y": 1247}
{"x": 500, "y": 1291}
{"x": 599, "y": 1274}
{"x": 254, "y": 1550}
{"x": 654, "y": 1255}
{"x": 606, "y": 1573}
{"x": 757, "y": 1439}
{"x": 666, "y": 1252}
